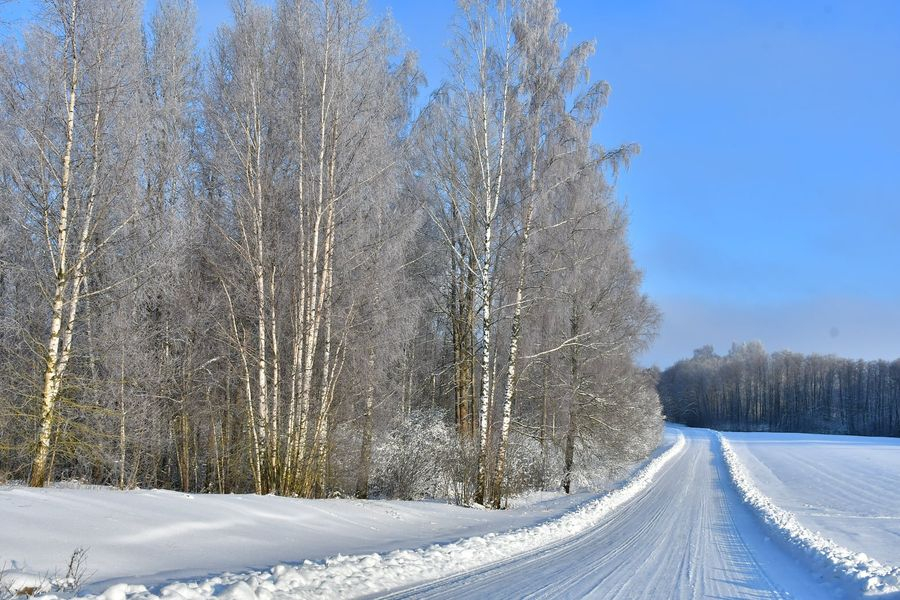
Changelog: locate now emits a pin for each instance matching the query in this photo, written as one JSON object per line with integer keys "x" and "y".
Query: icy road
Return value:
{"x": 688, "y": 535}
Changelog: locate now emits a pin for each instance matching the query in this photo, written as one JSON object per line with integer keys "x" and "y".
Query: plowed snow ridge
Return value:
{"x": 860, "y": 572}
{"x": 349, "y": 576}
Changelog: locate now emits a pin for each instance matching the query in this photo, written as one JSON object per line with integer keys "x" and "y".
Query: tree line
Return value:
{"x": 259, "y": 267}
{"x": 751, "y": 390}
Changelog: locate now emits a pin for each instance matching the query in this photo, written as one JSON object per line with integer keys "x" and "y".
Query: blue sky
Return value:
{"x": 765, "y": 203}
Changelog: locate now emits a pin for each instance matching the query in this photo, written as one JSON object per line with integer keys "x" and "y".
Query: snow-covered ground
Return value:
{"x": 823, "y": 485}
{"x": 845, "y": 487}
{"x": 154, "y": 538}
{"x": 759, "y": 516}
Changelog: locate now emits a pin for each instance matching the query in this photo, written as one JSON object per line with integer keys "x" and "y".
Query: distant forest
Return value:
{"x": 751, "y": 390}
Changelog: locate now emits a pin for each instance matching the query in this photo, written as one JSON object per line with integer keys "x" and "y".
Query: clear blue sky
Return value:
{"x": 765, "y": 203}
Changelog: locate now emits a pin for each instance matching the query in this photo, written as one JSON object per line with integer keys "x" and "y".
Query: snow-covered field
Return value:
{"x": 845, "y": 487}
{"x": 798, "y": 481}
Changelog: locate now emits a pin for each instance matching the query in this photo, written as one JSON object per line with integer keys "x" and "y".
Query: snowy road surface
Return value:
{"x": 687, "y": 536}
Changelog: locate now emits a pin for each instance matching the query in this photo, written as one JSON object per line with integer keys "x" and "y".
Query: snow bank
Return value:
{"x": 156, "y": 537}
{"x": 859, "y": 572}
{"x": 843, "y": 487}
{"x": 360, "y": 575}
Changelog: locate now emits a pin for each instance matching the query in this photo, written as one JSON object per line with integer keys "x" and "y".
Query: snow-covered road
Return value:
{"x": 687, "y": 536}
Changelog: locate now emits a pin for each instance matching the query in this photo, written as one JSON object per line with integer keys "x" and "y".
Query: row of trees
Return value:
{"x": 258, "y": 270}
{"x": 750, "y": 390}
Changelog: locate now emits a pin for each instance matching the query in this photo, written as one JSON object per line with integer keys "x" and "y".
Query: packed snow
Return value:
{"x": 838, "y": 484}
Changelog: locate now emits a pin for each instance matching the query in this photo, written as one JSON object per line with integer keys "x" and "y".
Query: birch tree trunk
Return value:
{"x": 492, "y": 187}
{"x": 511, "y": 375}
{"x": 52, "y": 373}
{"x": 69, "y": 279}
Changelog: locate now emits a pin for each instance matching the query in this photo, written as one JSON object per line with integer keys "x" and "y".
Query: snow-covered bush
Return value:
{"x": 414, "y": 458}
{"x": 623, "y": 430}
{"x": 463, "y": 470}
{"x": 530, "y": 467}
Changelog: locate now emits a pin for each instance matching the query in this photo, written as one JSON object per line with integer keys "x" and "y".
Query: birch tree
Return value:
{"x": 162, "y": 251}
{"x": 549, "y": 131}
{"x": 64, "y": 177}
{"x": 468, "y": 150}
{"x": 602, "y": 316}
{"x": 308, "y": 108}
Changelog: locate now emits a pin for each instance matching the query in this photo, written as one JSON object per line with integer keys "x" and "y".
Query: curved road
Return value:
{"x": 687, "y": 536}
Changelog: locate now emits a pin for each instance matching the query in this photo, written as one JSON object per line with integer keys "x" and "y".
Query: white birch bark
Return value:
{"x": 492, "y": 189}
{"x": 52, "y": 372}
{"x": 511, "y": 374}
